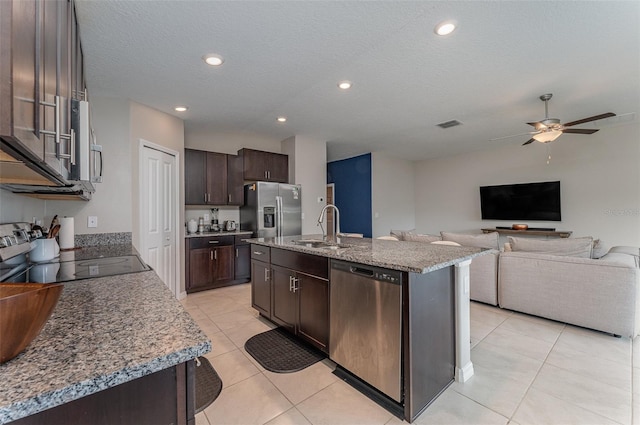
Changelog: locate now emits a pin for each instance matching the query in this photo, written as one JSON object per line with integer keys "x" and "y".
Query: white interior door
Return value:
{"x": 158, "y": 197}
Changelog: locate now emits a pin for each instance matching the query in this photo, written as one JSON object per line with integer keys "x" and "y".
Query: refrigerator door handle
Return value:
{"x": 278, "y": 216}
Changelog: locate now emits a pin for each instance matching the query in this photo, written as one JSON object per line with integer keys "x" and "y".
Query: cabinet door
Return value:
{"x": 216, "y": 178}
{"x": 313, "y": 318}
{"x": 195, "y": 164}
{"x": 243, "y": 262}
{"x": 18, "y": 101}
{"x": 201, "y": 267}
{"x": 277, "y": 166}
{"x": 253, "y": 165}
{"x": 261, "y": 287}
{"x": 284, "y": 305}
{"x": 235, "y": 180}
{"x": 223, "y": 259}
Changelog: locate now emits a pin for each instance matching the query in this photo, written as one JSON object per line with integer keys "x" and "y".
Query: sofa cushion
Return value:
{"x": 570, "y": 247}
{"x": 416, "y": 237}
{"x": 483, "y": 240}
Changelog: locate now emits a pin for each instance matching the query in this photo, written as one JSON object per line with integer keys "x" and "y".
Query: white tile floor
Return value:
{"x": 527, "y": 371}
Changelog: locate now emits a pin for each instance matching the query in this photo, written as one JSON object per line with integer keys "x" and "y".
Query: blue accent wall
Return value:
{"x": 352, "y": 193}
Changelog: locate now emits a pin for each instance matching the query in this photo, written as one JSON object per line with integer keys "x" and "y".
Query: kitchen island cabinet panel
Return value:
{"x": 139, "y": 402}
{"x": 284, "y": 304}
{"x": 261, "y": 287}
{"x": 313, "y": 317}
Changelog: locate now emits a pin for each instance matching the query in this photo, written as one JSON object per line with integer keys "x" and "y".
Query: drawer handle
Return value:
{"x": 258, "y": 252}
{"x": 214, "y": 241}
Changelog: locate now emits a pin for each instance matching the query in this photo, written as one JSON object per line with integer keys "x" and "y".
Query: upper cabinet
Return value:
{"x": 265, "y": 166}
{"x": 212, "y": 179}
{"x": 40, "y": 72}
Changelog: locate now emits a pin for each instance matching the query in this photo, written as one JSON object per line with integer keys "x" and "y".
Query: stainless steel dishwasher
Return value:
{"x": 366, "y": 324}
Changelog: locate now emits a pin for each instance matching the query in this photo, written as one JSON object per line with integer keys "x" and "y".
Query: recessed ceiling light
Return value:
{"x": 213, "y": 60}
{"x": 344, "y": 85}
{"x": 181, "y": 108}
{"x": 445, "y": 28}
{"x": 282, "y": 119}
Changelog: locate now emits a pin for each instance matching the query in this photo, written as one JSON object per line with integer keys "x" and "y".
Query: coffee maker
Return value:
{"x": 215, "y": 227}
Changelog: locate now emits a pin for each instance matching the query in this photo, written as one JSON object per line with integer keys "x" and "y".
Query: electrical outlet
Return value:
{"x": 92, "y": 221}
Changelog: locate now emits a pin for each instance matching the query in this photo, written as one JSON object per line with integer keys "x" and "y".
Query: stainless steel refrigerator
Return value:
{"x": 272, "y": 209}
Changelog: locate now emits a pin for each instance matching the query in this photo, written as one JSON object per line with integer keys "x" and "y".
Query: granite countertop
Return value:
{"x": 103, "y": 332}
{"x": 220, "y": 233}
{"x": 415, "y": 257}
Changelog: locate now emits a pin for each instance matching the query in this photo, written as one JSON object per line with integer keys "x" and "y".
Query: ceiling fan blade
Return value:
{"x": 528, "y": 141}
{"x": 514, "y": 135}
{"x": 580, "y": 130}
{"x": 593, "y": 118}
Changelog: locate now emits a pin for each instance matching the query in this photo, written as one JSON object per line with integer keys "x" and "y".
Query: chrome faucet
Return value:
{"x": 321, "y": 218}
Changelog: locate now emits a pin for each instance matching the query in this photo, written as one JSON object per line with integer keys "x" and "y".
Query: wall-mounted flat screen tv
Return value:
{"x": 525, "y": 201}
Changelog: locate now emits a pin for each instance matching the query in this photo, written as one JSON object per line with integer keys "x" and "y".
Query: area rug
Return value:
{"x": 280, "y": 352}
{"x": 208, "y": 384}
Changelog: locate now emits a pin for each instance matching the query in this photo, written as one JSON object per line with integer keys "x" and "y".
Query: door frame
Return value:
{"x": 145, "y": 144}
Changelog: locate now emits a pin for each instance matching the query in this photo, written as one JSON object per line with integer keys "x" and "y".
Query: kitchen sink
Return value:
{"x": 315, "y": 243}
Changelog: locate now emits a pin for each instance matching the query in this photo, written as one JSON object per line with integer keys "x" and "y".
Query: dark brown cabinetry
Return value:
{"x": 235, "y": 180}
{"x": 242, "y": 261}
{"x": 43, "y": 65}
{"x": 205, "y": 177}
{"x": 212, "y": 178}
{"x": 215, "y": 261}
{"x": 300, "y": 295}
{"x": 261, "y": 280}
{"x": 164, "y": 397}
{"x": 265, "y": 166}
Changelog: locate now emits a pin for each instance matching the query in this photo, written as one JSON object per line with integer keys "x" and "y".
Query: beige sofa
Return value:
{"x": 601, "y": 294}
{"x": 556, "y": 279}
{"x": 483, "y": 272}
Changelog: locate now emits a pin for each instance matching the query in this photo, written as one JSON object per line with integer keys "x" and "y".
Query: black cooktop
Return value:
{"x": 65, "y": 271}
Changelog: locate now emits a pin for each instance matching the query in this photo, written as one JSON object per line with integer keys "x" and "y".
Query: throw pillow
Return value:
{"x": 570, "y": 247}
{"x": 401, "y": 233}
{"x": 483, "y": 240}
{"x": 599, "y": 249}
{"x": 416, "y": 237}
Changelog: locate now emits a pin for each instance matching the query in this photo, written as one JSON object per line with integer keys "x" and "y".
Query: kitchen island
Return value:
{"x": 116, "y": 349}
{"x": 405, "y": 302}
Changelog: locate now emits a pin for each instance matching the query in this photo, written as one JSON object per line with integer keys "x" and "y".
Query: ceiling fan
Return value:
{"x": 549, "y": 129}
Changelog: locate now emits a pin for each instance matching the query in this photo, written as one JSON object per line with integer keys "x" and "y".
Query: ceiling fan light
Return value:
{"x": 547, "y": 136}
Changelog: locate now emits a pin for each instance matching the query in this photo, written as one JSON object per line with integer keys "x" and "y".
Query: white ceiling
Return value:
{"x": 286, "y": 58}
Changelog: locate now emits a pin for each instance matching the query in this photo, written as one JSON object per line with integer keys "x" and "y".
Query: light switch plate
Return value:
{"x": 92, "y": 221}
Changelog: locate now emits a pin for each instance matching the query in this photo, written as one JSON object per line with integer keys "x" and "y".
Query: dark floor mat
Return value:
{"x": 208, "y": 384}
{"x": 278, "y": 351}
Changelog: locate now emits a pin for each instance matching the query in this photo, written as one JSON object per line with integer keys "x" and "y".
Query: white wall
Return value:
{"x": 392, "y": 200}
{"x": 308, "y": 168}
{"x": 213, "y": 139}
{"x": 111, "y": 202}
{"x": 20, "y": 208}
{"x": 599, "y": 175}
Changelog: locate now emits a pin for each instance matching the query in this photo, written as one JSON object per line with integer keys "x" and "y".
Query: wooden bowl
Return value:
{"x": 24, "y": 310}
{"x": 519, "y": 227}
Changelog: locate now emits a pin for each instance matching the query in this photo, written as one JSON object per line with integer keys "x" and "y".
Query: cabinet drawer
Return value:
{"x": 305, "y": 263}
{"x": 260, "y": 253}
{"x": 203, "y": 242}
{"x": 240, "y": 239}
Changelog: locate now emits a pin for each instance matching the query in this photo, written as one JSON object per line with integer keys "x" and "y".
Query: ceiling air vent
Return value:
{"x": 449, "y": 124}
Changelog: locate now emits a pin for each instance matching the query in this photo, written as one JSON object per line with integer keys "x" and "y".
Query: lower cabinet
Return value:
{"x": 212, "y": 262}
{"x": 164, "y": 397}
{"x": 292, "y": 290}
{"x": 242, "y": 261}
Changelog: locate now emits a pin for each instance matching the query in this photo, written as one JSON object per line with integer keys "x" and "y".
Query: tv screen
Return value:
{"x": 527, "y": 201}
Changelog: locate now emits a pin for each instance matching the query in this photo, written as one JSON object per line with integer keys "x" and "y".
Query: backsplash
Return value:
{"x": 95, "y": 239}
